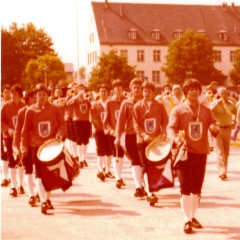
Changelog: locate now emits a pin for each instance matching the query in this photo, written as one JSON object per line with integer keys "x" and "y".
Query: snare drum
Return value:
{"x": 158, "y": 152}
{"x": 52, "y": 165}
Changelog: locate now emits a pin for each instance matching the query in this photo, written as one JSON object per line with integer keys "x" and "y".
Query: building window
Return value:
{"x": 156, "y": 55}
{"x": 232, "y": 56}
{"x": 156, "y": 76}
{"x": 178, "y": 33}
{"x": 124, "y": 53}
{"x": 156, "y": 34}
{"x": 223, "y": 35}
{"x": 140, "y": 74}
{"x": 95, "y": 56}
{"x": 140, "y": 55}
{"x": 217, "y": 56}
{"x": 92, "y": 37}
{"x": 132, "y": 34}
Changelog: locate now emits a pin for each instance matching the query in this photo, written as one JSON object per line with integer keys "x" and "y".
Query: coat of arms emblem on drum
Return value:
{"x": 83, "y": 108}
{"x": 44, "y": 129}
{"x": 195, "y": 130}
{"x": 117, "y": 114}
{"x": 150, "y": 125}
{"x": 14, "y": 119}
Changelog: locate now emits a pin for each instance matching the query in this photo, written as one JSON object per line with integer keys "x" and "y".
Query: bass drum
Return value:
{"x": 52, "y": 165}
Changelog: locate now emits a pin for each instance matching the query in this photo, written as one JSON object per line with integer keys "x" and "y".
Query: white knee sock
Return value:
{"x": 108, "y": 161}
{"x": 79, "y": 151}
{"x": 195, "y": 201}
{"x": 186, "y": 204}
{"x": 20, "y": 176}
{"x": 40, "y": 189}
{"x": 74, "y": 148}
{"x": 30, "y": 184}
{"x": 4, "y": 169}
{"x": 100, "y": 162}
{"x": 145, "y": 177}
{"x": 13, "y": 177}
{"x": 117, "y": 168}
{"x": 137, "y": 175}
{"x": 84, "y": 152}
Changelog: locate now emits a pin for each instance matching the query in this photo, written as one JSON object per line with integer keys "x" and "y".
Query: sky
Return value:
{"x": 60, "y": 18}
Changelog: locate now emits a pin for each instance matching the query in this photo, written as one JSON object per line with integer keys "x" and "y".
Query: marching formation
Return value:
{"x": 165, "y": 136}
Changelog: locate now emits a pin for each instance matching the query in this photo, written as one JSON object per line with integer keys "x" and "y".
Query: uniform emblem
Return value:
{"x": 150, "y": 125}
{"x": 83, "y": 108}
{"x": 44, "y": 129}
{"x": 195, "y": 130}
{"x": 103, "y": 116}
{"x": 14, "y": 119}
{"x": 117, "y": 114}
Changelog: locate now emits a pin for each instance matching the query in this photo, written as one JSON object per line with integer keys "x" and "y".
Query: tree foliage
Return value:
{"x": 191, "y": 55}
{"x": 235, "y": 72}
{"x": 19, "y": 46}
{"x": 110, "y": 67}
{"x": 45, "y": 68}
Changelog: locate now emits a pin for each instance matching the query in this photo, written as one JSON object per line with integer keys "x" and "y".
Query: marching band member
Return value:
{"x": 104, "y": 151}
{"x": 149, "y": 120}
{"x": 30, "y": 99}
{"x": 81, "y": 122}
{"x": 125, "y": 124}
{"x": 43, "y": 121}
{"x": 4, "y": 162}
{"x": 112, "y": 113}
{"x": 194, "y": 119}
{"x": 8, "y": 124}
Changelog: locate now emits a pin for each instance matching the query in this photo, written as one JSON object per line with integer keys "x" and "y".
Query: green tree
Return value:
{"x": 110, "y": 67}
{"x": 27, "y": 43}
{"x": 43, "y": 70}
{"x": 235, "y": 72}
{"x": 191, "y": 55}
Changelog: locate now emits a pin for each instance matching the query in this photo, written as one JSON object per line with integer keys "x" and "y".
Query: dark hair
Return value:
{"x": 149, "y": 85}
{"x": 191, "y": 83}
{"x": 6, "y": 86}
{"x": 17, "y": 88}
{"x": 117, "y": 82}
{"x": 135, "y": 81}
{"x": 167, "y": 85}
{"x": 41, "y": 87}
{"x": 29, "y": 93}
{"x": 103, "y": 86}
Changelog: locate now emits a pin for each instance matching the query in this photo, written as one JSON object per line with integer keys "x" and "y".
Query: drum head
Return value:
{"x": 50, "y": 150}
{"x": 157, "y": 150}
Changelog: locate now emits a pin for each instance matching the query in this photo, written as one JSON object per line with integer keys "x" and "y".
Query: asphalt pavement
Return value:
{"x": 92, "y": 209}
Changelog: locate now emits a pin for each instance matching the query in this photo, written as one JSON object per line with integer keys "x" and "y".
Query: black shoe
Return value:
{"x": 223, "y": 176}
{"x": 49, "y": 204}
{"x": 188, "y": 227}
{"x": 37, "y": 199}
{"x": 13, "y": 192}
{"x": 152, "y": 199}
{"x": 5, "y": 183}
{"x": 21, "y": 190}
{"x": 140, "y": 192}
{"x": 81, "y": 164}
{"x": 101, "y": 176}
{"x": 77, "y": 159}
{"x": 85, "y": 163}
{"x": 44, "y": 207}
{"x": 32, "y": 201}
{"x": 109, "y": 175}
{"x": 118, "y": 183}
{"x": 196, "y": 223}
{"x": 122, "y": 182}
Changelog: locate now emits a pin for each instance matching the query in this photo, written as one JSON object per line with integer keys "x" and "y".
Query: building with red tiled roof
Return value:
{"x": 143, "y": 31}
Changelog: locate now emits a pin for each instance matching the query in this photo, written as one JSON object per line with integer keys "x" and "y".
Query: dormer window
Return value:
{"x": 201, "y": 31}
{"x": 132, "y": 33}
{"x": 223, "y": 35}
{"x": 156, "y": 34}
{"x": 178, "y": 33}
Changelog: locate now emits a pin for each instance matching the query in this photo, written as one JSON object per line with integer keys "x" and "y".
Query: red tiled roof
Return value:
{"x": 114, "y": 28}
{"x": 68, "y": 67}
